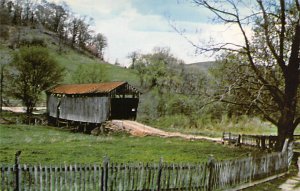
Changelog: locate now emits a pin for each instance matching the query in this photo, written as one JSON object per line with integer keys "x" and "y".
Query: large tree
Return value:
{"x": 268, "y": 61}
{"x": 32, "y": 71}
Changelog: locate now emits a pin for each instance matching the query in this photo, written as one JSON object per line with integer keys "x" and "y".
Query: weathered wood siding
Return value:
{"x": 84, "y": 109}
{"x": 52, "y": 105}
{"x": 214, "y": 175}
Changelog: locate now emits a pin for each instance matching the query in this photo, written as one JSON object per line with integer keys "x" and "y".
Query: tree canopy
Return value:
{"x": 70, "y": 28}
{"x": 171, "y": 87}
{"x": 32, "y": 71}
{"x": 265, "y": 70}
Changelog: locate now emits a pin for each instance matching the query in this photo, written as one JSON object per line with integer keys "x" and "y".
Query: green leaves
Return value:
{"x": 31, "y": 72}
{"x": 90, "y": 73}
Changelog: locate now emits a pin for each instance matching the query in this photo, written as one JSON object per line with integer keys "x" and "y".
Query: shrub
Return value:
{"x": 4, "y": 32}
{"x": 35, "y": 41}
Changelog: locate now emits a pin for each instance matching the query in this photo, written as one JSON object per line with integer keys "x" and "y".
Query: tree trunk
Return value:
{"x": 29, "y": 110}
{"x": 284, "y": 131}
{"x": 288, "y": 113}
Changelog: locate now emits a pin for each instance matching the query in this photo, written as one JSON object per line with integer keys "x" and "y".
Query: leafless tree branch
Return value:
{"x": 279, "y": 58}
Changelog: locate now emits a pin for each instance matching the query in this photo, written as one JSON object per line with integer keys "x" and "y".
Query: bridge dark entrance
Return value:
{"x": 124, "y": 108}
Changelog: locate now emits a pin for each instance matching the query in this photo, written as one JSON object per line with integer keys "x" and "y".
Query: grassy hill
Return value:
{"x": 71, "y": 59}
{"x": 68, "y": 57}
{"x": 200, "y": 66}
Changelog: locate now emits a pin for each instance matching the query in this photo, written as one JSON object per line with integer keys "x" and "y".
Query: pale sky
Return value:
{"x": 132, "y": 25}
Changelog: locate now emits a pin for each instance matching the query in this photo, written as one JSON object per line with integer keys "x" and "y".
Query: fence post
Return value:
{"x": 239, "y": 140}
{"x": 211, "y": 164}
{"x": 17, "y": 175}
{"x": 105, "y": 173}
{"x": 290, "y": 152}
{"x": 263, "y": 142}
{"x": 159, "y": 173}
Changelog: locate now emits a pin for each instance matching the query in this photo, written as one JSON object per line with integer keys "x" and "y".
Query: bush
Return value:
{"x": 36, "y": 41}
{"x": 4, "y": 32}
{"x": 172, "y": 121}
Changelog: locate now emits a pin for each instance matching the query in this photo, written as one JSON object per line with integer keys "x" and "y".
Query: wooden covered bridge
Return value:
{"x": 92, "y": 103}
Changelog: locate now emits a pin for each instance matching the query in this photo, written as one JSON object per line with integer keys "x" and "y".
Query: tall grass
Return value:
{"x": 205, "y": 125}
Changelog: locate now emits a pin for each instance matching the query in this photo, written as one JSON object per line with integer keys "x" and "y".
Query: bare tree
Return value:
{"x": 271, "y": 55}
{"x": 133, "y": 56}
{"x": 100, "y": 42}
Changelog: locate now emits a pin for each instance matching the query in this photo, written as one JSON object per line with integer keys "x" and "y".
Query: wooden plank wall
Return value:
{"x": 83, "y": 109}
{"x": 52, "y": 105}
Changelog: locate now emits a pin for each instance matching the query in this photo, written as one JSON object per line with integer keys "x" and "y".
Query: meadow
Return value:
{"x": 215, "y": 128}
{"x": 50, "y": 145}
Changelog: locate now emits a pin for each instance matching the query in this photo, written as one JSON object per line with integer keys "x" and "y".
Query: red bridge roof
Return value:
{"x": 105, "y": 87}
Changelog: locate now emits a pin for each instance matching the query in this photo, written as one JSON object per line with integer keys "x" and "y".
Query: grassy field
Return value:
{"x": 49, "y": 145}
{"x": 208, "y": 127}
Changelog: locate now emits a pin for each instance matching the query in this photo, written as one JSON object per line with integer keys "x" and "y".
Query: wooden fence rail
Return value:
{"x": 259, "y": 141}
{"x": 213, "y": 175}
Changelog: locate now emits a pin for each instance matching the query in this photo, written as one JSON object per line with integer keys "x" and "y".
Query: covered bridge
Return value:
{"x": 92, "y": 103}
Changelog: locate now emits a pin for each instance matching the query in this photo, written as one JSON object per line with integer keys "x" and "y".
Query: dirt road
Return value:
{"x": 139, "y": 129}
{"x": 22, "y": 109}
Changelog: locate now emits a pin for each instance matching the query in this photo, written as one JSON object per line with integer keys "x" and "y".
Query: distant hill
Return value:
{"x": 200, "y": 66}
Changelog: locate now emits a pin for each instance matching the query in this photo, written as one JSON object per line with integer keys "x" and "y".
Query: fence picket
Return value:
{"x": 162, "y": 176}
{"x": 2, "y": 177}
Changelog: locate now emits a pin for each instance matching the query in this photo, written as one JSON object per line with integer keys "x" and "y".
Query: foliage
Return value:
{"x": 100, "y": 43}
{"x": 91, "y": 73}
{"x": 171, "y": 89}
{"x": 263, "y": 75}
{"x": 46, "y": 145}
{"x": 4, "y": 32}
{"x": 133, "y": 56}
{"x": 5, "y": 59}
{"x": 57, "y": 18}
{"x": 206, "y": 124}
{"x": 35, "y": 41}
{"x": 31, "y": 72}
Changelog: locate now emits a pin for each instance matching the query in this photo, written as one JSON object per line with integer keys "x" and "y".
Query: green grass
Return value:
{"x": 209, "y": 127}
{"x": 49, "y": 145}
{"x": 71, "y": 59}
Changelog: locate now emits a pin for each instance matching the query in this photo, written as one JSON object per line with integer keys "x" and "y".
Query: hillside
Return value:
{"x": 67, "y": 57}
{"x": 200, "y": 66}
{"x": 72, "y": 60}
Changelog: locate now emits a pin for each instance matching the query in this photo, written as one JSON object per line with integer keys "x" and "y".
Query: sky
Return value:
{"x": 141, "y": 25}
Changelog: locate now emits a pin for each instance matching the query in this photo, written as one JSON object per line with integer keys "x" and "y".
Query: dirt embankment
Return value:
{"x": 138, "y": 129}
